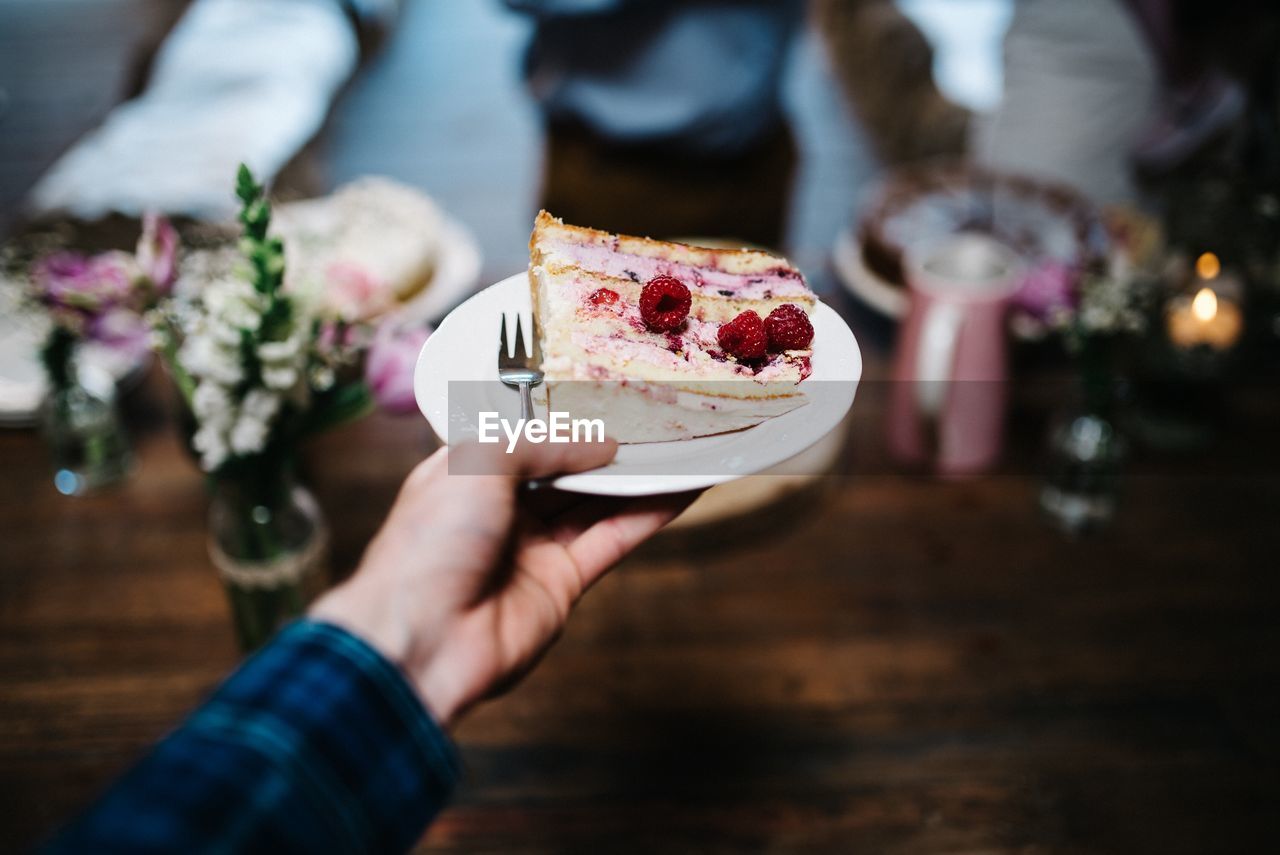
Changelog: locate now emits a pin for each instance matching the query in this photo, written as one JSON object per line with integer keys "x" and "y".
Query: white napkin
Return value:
{"x": 237, "y": 80}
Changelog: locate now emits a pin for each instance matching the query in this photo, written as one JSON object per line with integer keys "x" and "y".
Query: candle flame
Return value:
{"x": 1208, "y": 266}
{"x": 1205, "y": 305}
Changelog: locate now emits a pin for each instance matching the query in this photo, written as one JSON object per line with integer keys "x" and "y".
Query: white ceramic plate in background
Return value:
{"x": 853, "y": 273}
{"x": 456, "y": 275}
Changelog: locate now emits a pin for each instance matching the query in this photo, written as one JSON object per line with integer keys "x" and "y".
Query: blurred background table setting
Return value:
{"x": 1023, "y": 599}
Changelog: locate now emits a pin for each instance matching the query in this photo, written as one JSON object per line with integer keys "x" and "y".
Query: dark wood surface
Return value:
{"x": 892, "y": 664}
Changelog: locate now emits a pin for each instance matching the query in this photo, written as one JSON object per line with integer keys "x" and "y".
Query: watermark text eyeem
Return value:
{"x": 557, "y": 428}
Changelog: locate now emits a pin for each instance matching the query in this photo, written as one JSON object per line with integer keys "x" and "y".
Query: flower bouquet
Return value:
{"x": 260, "y": 365}
{"x": 98, "y": 299}
{"x": 1110, "y": 304}
{"x": 260, "y": 369}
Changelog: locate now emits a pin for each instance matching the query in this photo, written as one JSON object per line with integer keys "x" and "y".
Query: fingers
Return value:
{"x": 530, "y": 460}
{"x": 427, "y": 470}
{"x": 607, "y": 541}
{"x": 550, "y": 506}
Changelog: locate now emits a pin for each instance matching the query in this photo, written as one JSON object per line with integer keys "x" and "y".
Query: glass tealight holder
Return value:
{"x": 1194, "y": 339}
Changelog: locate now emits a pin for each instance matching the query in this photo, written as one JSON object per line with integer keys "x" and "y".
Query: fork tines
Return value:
{"x": 523, "y": 354}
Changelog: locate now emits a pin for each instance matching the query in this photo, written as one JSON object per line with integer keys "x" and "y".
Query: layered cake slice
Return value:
{"x": 666, "y": 341}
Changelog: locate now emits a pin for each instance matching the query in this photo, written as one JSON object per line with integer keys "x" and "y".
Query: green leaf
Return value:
{"x": 246, "y": 188}
{"x": 57, "y": 355}
{"x": 169, "y": 352}
{"x": 337, "y": 406}
{"x": 265, "y": 255}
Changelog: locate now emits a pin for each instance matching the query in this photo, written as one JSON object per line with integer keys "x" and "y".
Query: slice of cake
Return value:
{"x": 666, "y": 341}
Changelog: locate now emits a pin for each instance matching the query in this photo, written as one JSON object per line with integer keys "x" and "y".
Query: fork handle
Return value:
{"x": 526, "y": 401}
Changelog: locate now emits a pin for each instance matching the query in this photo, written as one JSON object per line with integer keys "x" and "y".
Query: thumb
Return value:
{"x": 529, "y": 460}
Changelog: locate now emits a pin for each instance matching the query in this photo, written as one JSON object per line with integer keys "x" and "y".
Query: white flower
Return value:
{"x": 235, "y": 303}
{"x": 212, "y": 404}
{"x": 322, "y": 378}
{"x": 204, "y": 357}
{"x": 1095, "y": 318}
{"x": 282, "y": 379}
{"x": 281, "y": 351}
{"x": 249, "y": 434}
{"x": 260, "y": 404}
{"x": 283, "y": 362}
{"x": 212, "y": 445}
{"x": 223, "y": 333}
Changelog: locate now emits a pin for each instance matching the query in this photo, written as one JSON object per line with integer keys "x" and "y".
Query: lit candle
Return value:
{"x": 1206, "y": 318}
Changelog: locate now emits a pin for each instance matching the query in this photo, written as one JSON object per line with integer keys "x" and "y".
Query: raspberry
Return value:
{"x": 603, "y": 297}
{"x": 664, "y": 303}
{"x": 788, "y": 328}
{"x": 744, "y": 336}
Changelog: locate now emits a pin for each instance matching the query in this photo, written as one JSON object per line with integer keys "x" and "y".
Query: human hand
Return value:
{"x": 472, "y": 577}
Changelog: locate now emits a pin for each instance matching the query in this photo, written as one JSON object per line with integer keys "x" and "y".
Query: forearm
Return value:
{"x": 316, "y": 743}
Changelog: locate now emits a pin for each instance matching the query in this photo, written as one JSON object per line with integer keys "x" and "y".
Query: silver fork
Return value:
{"x": 523, "y": 370}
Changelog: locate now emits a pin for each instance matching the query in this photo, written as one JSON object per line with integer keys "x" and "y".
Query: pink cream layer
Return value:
{"x": 781, "y": 281}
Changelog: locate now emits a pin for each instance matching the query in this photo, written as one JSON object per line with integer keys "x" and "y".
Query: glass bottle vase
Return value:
{"x": 1081, "y": 488}
{"x": 269, "y": 540}
{"x": 87, "y": 442}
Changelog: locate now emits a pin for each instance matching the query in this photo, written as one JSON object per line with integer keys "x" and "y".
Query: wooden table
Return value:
{"x": 894, "y": 665}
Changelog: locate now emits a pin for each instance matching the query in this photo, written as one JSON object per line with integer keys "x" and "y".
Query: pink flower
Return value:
{"x": 157, "y": 252}
{"x": 69, "y": 280}
{"x": 123, "y": 331}
{"x": 335, "y": 338}
{"x": 353, "y": 295}
{"x": 390, "y": 364}
{"x": 1048, "y": 289}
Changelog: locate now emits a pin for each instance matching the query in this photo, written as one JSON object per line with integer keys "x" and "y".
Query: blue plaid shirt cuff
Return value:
{"x": 317, "y": 743}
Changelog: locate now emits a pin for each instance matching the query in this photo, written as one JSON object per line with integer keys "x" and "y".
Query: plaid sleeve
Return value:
{"x": 316, "y": 744}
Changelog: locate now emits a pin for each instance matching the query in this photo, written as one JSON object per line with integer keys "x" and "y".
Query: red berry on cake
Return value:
{"x": 603, "y": 297}
{"x": 664, "y": 303}
{"x": 744, "y": 336}
{"x": 788, "y": 328}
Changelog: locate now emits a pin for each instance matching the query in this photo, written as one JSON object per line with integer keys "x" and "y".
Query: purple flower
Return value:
{"x": 1049, "y": 289}
{"x": 69, "y": 280}
{"x": 157, "y": 253}
{"x": 389, "y": 366}
{"x": 123, "y": 331}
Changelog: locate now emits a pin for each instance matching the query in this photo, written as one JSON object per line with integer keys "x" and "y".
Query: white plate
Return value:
{"x": 464, "y": 348}
{"x": 456, "y": 275}
{"x": 858, "y": 280}
{"x": 891, "y": 301}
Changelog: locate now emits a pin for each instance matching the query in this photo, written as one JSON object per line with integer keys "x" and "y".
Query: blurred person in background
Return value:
{"x": 660, "y": 99}
{"x": 1090, "y": 89}
{"x": 662, "y": 117}
{"x": 1198, "y": 99}
{"x": 1080, "y": 88}
{"x": 672, "y": 101}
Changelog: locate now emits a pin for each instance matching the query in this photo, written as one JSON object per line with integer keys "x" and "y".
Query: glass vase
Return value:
{"x": 87, "y": 442}
{"x": 1081, "y": 489}
{"x": 269, "y": 540}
